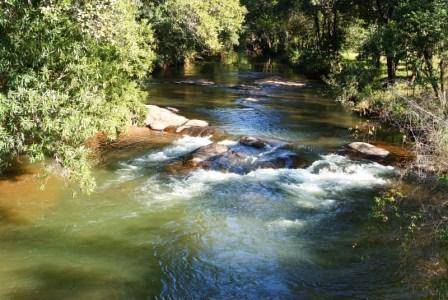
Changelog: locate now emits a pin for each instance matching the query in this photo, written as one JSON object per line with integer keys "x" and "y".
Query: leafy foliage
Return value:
{"x": 67, "y": 72}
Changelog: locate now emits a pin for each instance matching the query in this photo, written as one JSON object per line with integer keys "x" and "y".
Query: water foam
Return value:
{"x": 180, "y": 147}
{"x": 183, "y": 189}
{"x": 312, "y": 187}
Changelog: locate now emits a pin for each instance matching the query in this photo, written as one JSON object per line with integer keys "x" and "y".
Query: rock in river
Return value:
{"x": 247, "y": 99}
{"x": 165, "y": 119}
{"x": 369, "y": 150}
{"x": 247, "y": 155}
{"x": 278, "y": 81}
{"x": 159, "y": 118}
{"x": 253, "y": 142}
{"x": 194, "y": 130}
{"x": 201, "y": 82}
{"x": 205, "y": 155}
{"x": 192, "y": 123}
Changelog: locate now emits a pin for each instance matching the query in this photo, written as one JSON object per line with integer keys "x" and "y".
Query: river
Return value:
{"x": 298, "y": 233}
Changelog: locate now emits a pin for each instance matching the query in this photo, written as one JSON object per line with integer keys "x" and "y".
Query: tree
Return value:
{"x": 266, "y": 27}
{"x": 381, "y": 14}
{"x": 186, "y": 28}
{"x": 424, "y": 25}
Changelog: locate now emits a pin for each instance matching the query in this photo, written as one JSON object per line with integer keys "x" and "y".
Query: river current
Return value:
{"x": 288, "y": 233}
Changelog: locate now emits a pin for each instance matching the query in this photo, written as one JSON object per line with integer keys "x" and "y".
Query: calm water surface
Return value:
{"x": 283, "y": 234}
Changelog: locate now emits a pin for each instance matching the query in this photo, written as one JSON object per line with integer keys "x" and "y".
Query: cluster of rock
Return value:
{"x": 270, "y": 81}
{"x": 248, "y": 154}
{"x": 255, "y": 89}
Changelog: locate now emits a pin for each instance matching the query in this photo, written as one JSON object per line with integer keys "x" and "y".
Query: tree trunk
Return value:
{"x": 391, "y": 70}
{"x": 317, "y": 25}
{"x": 443, "y": 66}
{"x": 335, "y": 35}
{"x": 430, "y": 70}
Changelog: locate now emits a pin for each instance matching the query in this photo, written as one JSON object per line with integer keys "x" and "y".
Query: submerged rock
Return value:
{"x": 369, "y": 150}
{"x": 278, "y": 81}
{"x": 196, "y": 130}
{"x": 244, "y": 87}
{"x": 205, "y": 155}
{"x": 247, "y": 89}
{"x": 158, "y": 118}
{"x": 201, "y": 82}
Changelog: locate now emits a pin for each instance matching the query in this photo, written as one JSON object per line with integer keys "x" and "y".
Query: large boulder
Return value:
{"x": 159, "y": 118}
{"x": 369, "y": 150}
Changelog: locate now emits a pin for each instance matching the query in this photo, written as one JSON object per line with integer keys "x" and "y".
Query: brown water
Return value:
{"x": 285, "y": 234}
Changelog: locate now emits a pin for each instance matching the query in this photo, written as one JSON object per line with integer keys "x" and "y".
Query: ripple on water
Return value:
{"x": 238, "y": 221}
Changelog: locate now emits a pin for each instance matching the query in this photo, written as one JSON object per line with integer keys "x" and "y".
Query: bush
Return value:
{"x": 313, "y": 63}
{"x": 352, "y": 81}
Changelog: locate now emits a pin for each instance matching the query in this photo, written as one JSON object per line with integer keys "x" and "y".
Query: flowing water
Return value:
{"x": 262, "y": 234}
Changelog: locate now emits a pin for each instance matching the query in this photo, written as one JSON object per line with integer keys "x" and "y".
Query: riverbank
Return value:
{"x": 420, "y": 226}
{"x": 417, "y": 115}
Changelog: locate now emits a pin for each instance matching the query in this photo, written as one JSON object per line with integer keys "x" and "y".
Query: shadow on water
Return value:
{"x": 70, "y": 266}
{"x": 57, "y": 282}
